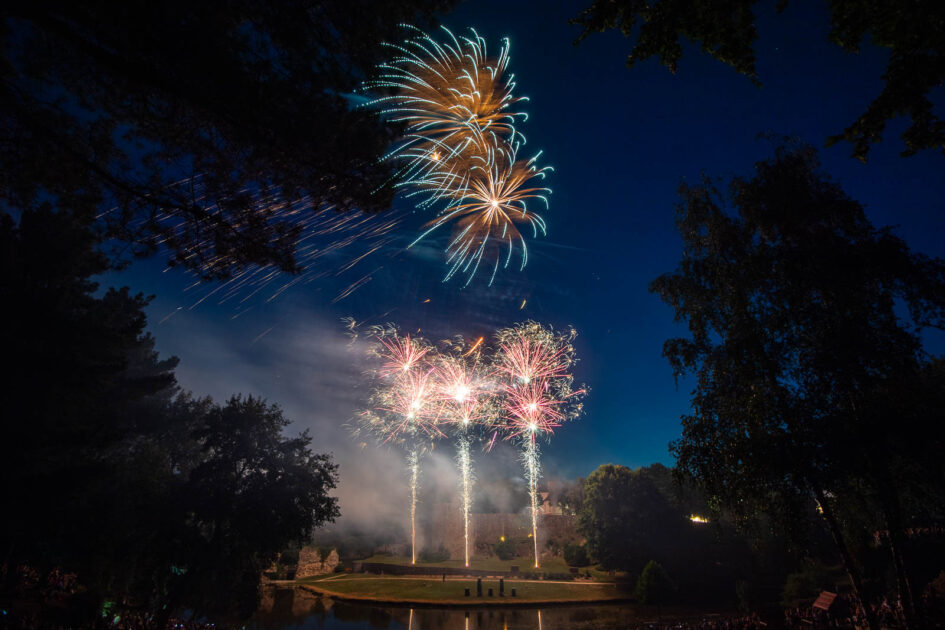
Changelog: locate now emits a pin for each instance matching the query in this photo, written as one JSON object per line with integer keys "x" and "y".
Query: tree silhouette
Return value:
{"x": 190, "y": 126}
{"x": 810, "y": 386}
{"x": 725, "y": 29}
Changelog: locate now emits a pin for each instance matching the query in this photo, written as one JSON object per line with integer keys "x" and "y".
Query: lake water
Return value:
{"x": 288, "y": 609}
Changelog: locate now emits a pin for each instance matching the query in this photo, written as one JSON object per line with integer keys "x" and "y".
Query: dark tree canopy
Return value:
{"x": 167, "y": 123}
{"x": 914, "y": 33}
{"x": 150, "y": 496}
{"x": 804, "y": 326}
{"x": 626, "y": 519}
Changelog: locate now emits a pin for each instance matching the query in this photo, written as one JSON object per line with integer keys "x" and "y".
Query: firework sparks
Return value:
{"x": 523, "y": 390}
{"x": 459, "y": 150}
{"x": 532, "y": 472}
{"x": 456, "y": 102}
{"x": 486, "y": 213}
{"x": 467, "y": 402}
{"x": 404, "y": 404}
{"x": 538, "y": 394}
{"x": 400, "y": 354}
{"x": 530, "y": 353}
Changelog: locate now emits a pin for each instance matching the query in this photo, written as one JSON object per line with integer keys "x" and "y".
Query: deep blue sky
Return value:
{"x": 621, "y": 141}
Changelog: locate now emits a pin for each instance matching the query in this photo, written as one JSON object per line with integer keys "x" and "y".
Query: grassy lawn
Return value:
{"x": 452, "y": 591}
{"x": 524, "y": 564}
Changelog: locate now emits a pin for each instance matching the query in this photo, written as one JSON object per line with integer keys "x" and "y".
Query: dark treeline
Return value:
{"x": 122, "y": 492}
{"x": 816, "y": 414}
{"x": 129, "y": 130}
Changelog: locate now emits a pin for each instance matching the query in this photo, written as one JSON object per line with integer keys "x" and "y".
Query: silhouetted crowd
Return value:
{"x": 844, "y": 613}
{"x": 30, "y": 621}
{"x": 741, "y": 622}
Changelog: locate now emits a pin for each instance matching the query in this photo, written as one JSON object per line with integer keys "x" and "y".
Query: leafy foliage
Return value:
{"x": 505, "y": 549}
{"x": 654, "y": 585}
{"x": 809, "y": 384}
{"x": 625, "y": 518}
{"x": 151, "y": 496}
{"x": 576, "y": 555}
{"x": 440, "y": 554}
{"x": 726, "y": 30}
{"x": 167, "y": 122}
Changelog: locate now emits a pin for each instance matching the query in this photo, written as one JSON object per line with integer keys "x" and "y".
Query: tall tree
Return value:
{"x": 151, "y": 496}
{"x": 193, "y": 125}
{"x": 806, "y": 373}
{"x": 913, "y": 32}
{"x": 625, "y": 518}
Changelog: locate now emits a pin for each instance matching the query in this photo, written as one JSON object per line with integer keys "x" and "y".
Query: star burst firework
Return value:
{"x": 459, "y": 149}
{"x": 521, "y": 389}
{"x": 538, "y": 391}
{"x": 531, "y": 353}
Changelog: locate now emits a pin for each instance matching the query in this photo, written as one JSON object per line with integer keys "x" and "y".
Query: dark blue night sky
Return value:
{"x": 621, "y": 141}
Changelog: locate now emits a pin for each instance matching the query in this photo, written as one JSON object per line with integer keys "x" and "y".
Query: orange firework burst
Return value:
{"x": 454, "y": 99}
{"x": 487, "y": 211}
{"x": 460, "y": 146}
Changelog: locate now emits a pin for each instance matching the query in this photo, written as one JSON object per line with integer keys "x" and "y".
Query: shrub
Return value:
{"x": 439, "y": 554}
{"x": 654, "y": 585}
{"x": 576, "y": 555}
{"x": 504, "y": 549}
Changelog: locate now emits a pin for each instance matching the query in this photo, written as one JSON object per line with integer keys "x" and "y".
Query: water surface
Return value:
{"x": 290, "y": 609}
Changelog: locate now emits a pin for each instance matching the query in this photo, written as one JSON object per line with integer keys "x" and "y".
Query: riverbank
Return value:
{"x": 431, "y": 591}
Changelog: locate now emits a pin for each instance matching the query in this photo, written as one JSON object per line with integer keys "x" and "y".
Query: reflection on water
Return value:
{"x": 288, "y": 609}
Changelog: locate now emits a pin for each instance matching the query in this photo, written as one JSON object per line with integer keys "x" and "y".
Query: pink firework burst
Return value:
{"x": 463, "y": 392}
{"x": 527, "y": 358}
{"x": 401, "y": 354}
{"x": 410, "y": 400}
{"x": 530, "y": 410}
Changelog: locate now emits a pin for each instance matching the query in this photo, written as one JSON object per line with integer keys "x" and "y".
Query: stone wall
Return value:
{"x": 446, "y": 529}
{"x": 312, "y": 563}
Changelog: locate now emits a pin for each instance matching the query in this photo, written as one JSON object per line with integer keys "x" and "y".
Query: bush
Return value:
{"x": 434, "y": 555}
{"x": 505, "y": 549}
{"x": 654, "y": 585}
{"x": 576, "y": 555}
{"x": 559, "y": 577}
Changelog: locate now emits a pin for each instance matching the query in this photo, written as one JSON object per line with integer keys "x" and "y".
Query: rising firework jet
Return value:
{"x": 538, "y": 394}
{"x": 467, "y": 404}
{"x": 523, "y": 390}
{"x": 404, "y": 406}
{"x": 459, "y": 150}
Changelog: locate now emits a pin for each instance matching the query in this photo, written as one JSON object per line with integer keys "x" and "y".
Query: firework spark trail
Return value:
{"x": 413, "y": 463}
{"x": 538, "y": 394}
{"x": 532, "y": 472}
{"x": 465, "y": 467}
{"x": 322, "y": 233}
{"x": 467, "y": 403}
